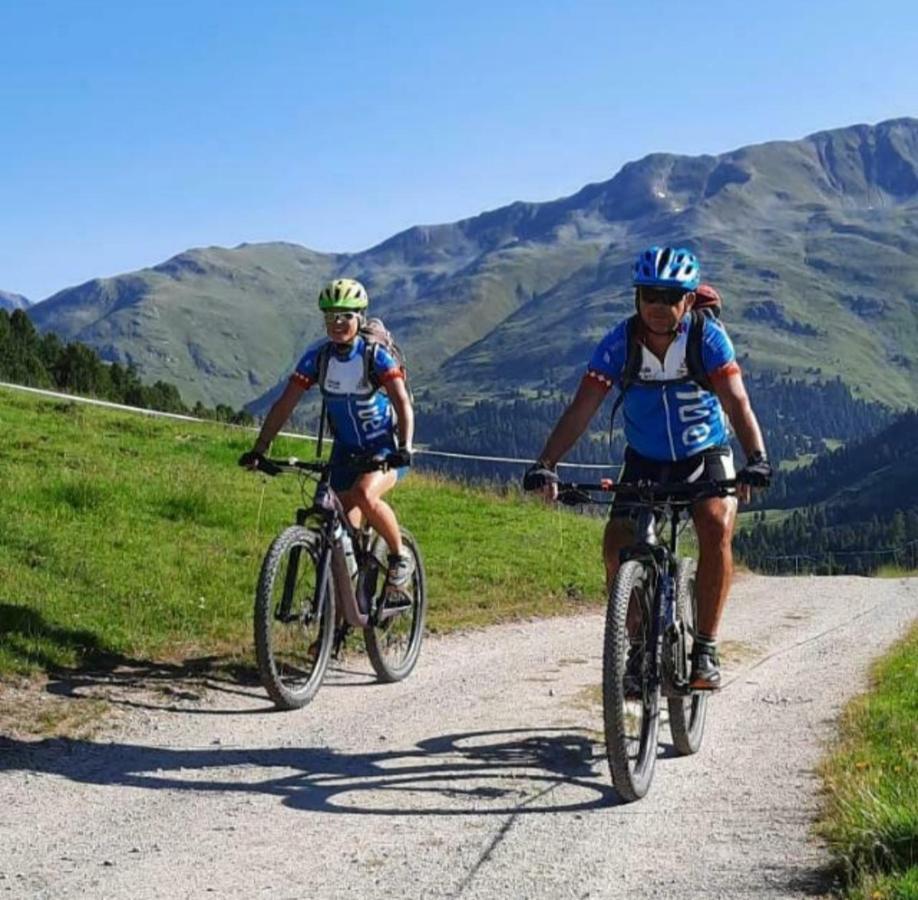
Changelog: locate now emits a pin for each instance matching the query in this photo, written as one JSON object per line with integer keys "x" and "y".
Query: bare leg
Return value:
{"x": 618, "y": 534}
{"x": 365, "y": 495}
{"x": 715, "y": 520}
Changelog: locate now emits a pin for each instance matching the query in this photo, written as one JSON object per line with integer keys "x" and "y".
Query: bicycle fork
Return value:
{"x": 675, "y": 670}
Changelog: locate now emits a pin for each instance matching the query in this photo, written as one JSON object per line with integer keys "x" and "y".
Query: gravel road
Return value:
{"x": 482, "y": 775}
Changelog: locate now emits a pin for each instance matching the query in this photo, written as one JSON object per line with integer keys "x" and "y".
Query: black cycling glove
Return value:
{"x": 757, "y": 472}
{"x": 401, "y": 459}
{"x": 251, "y": 459}
{"x": 537, "y": 476}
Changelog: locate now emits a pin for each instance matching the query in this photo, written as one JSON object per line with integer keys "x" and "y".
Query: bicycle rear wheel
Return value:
{"x": 293, "y": 631}
{"x": 631, "y": 707}
{"x": 687, "y": 714}
{"x": 394, "y": 643}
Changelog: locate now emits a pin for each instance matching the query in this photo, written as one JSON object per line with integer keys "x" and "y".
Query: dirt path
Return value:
{"x": 483, "y": 775}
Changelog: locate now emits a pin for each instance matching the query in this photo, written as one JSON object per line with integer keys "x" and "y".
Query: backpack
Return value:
{"x": 374, "y": 333}
{"x": 707, "y": 305}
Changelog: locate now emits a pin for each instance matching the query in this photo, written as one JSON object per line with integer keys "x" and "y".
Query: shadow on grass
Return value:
{"x": 473, "y": 773}
{"x": 33, "y": 641}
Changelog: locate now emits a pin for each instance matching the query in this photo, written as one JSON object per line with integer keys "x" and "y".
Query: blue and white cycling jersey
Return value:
{"x": 668, "y": 421}
{"x": 361, "y": 416}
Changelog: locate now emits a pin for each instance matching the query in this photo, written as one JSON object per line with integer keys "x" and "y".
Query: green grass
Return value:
{"x": 890, "y": 570}
{"x": 789, "y": 465}
{"x": 126, "y": 538}
{"x": 871, "y": 815}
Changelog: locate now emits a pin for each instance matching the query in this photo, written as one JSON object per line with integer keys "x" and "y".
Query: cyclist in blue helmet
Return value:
{"x": 677, "y": 395}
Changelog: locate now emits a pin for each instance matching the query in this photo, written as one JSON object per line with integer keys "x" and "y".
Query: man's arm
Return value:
{"x": 731, "y": 391}
{"x": 573, "y": 421}
{"x": 732, "y": 394}
{"x": 277, "y": 415}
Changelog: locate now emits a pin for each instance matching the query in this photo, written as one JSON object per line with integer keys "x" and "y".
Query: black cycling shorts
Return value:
{"x": 713, "y": 464}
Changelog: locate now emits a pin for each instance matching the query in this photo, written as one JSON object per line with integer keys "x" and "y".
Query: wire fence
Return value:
{"x": 903, "y": 556}
{"x": 811, "y": 563}
{"x": 421, "y": 450}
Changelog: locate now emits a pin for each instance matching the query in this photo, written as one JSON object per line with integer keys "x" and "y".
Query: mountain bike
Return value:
{"x": 650, "y": 615}
{"x": 322, "y": 577}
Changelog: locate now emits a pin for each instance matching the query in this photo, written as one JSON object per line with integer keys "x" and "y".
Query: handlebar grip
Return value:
{"x": 574, "y": 497}
{"x": 268, "y": 467}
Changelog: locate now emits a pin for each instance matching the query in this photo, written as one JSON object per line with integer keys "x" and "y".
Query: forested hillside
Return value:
{"x": 855, "y": 509}
{"x": 44, "y": 361}
{"x": 10, "y": 301}
{"x": 798, "y": 418}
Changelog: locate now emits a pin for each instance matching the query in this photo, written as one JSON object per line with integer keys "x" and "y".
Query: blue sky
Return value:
{"x": 132, "y": 131}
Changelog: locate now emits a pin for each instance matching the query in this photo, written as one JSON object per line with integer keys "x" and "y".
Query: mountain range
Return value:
{"x": 10, "y": 301}
{"x": 813, "y": 243}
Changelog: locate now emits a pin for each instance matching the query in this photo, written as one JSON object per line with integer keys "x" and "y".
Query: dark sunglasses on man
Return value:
{"x": 333, "y": 318}
{"x": 661, "y": 296}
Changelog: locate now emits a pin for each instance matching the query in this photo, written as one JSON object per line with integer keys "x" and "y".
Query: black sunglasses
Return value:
{"x": 662, "y": 296}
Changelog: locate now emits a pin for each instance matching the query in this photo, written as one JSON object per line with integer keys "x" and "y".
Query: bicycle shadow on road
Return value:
{"x": 105, "y": 673}
{"x": 474, "y": 773}
{"x": 170, "y": 687}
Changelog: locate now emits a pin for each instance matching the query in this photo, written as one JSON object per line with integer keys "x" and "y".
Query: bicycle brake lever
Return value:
{"x": 268, "y": 468}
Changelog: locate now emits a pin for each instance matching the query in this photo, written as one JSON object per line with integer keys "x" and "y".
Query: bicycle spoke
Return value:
{"x": 394, "y": 641}
{"x": 293, "y": 634}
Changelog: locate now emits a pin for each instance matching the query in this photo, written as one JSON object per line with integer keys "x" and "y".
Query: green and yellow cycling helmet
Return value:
{"x": 343, "y": 293}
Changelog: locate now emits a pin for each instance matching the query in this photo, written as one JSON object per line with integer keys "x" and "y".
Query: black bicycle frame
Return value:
{"x": 659, "y": 559}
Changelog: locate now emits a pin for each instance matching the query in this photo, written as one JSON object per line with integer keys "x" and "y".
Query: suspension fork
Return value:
{"x": 323, "y": 566}
{"x": 293, "y": 568}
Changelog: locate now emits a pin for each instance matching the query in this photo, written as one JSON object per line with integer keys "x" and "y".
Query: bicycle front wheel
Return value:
{"x": 294, "y": 629}
{"x": 394, "y": 642}
{"x": 687, "y": 714}
{"x": 630, "y": 693}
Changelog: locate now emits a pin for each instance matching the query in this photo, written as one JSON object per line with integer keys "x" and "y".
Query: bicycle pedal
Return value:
{"x": 396, "y": 600}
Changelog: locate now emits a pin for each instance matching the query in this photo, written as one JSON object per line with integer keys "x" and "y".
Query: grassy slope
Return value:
{"x": 217, "y": 323}
{"x": 871, "y": 818}
{"x": 135, "y": 537}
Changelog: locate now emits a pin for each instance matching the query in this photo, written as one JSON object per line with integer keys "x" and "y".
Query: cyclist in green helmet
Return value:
{"x": 369, "y": 412}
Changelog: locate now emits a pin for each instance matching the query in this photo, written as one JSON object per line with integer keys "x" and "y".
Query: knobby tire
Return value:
{"x": 293, "y": 653}
{"x": 631, "y": 725}
{"x": 687, "y": 714}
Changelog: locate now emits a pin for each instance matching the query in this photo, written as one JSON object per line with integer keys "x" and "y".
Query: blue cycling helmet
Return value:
{"x": 667, "y": 267}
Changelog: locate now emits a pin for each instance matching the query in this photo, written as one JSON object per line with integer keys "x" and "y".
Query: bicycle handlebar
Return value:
{"x": 275, "y": 467}
{"x": 572, "y": 493}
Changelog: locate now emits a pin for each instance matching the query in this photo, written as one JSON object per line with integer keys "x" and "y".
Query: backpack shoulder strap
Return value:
{"x": 322, "y": 364}
{"x": 322, "y": 367}
{"x": 693, "y": 350}
{"x": 630, "y": 371}
{"x": 632, "y": 356}
{"x": 369, "y": 362}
